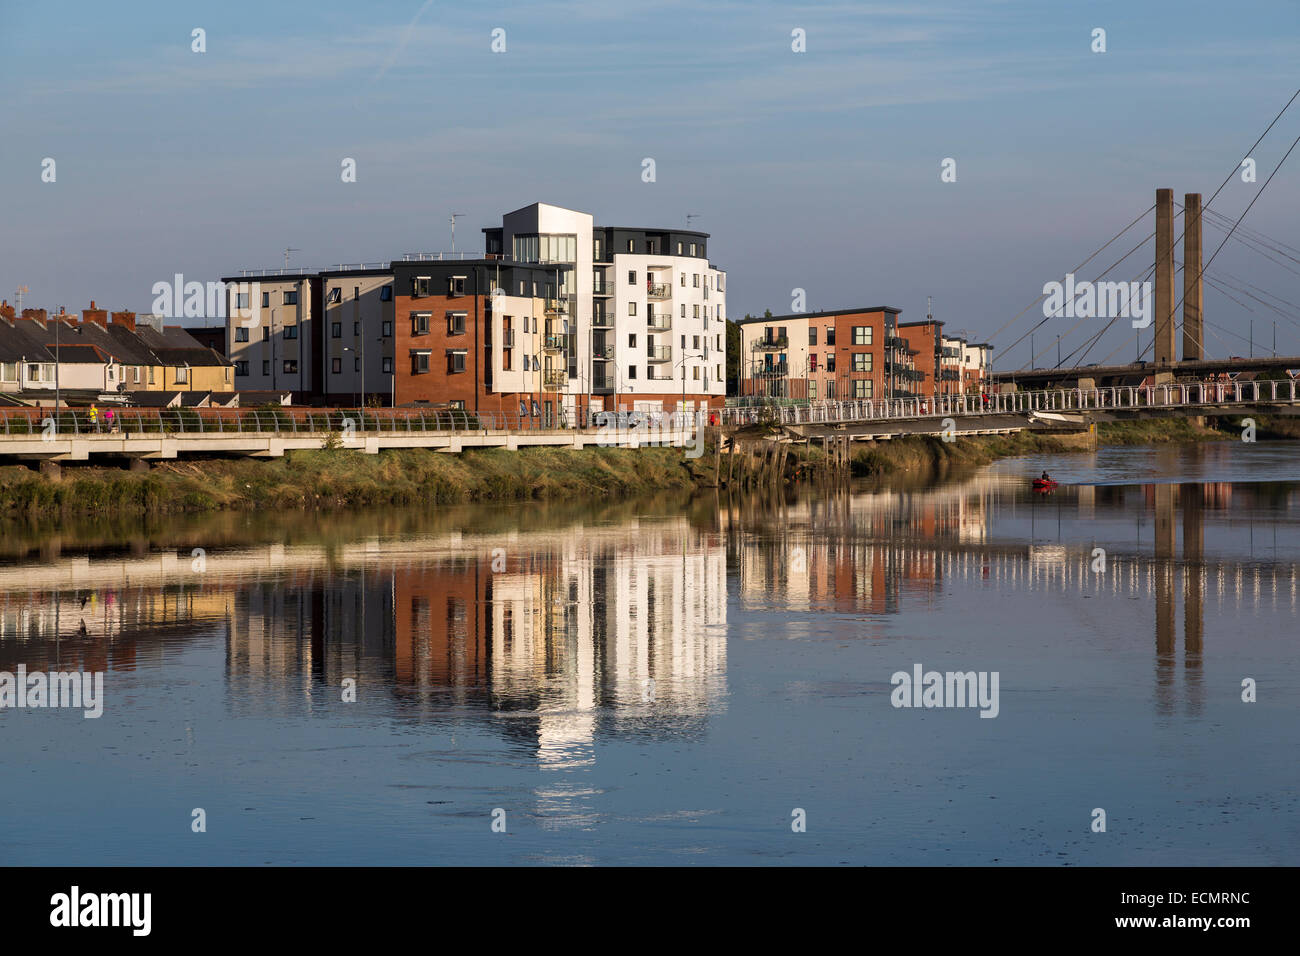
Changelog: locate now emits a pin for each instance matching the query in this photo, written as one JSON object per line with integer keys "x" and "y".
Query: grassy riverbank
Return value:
{"x": 327, "y": 480}
{"x": 342, "y": 479}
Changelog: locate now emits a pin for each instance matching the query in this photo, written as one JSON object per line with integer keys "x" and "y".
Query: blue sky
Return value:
{"x": 817, "y": 170}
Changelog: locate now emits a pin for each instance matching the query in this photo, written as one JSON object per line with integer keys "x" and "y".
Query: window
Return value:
{"x": 386, "y": 328}
{"x": 695, "y": 311}
{"x": 862, "y": 361}
{"x": 420, "y": 323}
{"x": 336, "y": 330}
{"x": 695, "y": 280}
{"x": 266, "y": 300}
{"x": 456, "y": 323}
{"x": 420, "y": 286}
{"x": 241, "y": 334}
{"x": 387, "y": 366}
{"x": 182, "y": 375}
{"x": 336, "y": 366}
{"x": 830, "y": 335}
{"x": 356, "y": 364}
{"x": 290, "y": 297}
{"x": 695, "y": 372}
{"x": 241, "y": 300}
{"x": 812, "y": 335}
{"x": 812, "y": 389}
{"x": 595, "y": 250}
{"x": 266, "y": 370}
{"x": 830, "y": 363}
{"x": 266, "y": 333}
{"x": 631, "y": 371}
{"x": 629, "y": 246}
{"x": 631, "y": 277}
{"x": 692, "y": 248}
{"x": 290, "y": 367}
{"x": 631, "y": 341}
{"x": 679, "y": 248}
{"x": 241, "y": 368}
{"x": 420, "y": 363}
{"x": 812, "y": 362}
{"x": 386, "y": 293}
{"x": 291, "y": 331}
{"x": 335, "y": 295}
{"x": 356, "y": 292}
{"x": 456, "y": 360}
{"x": 683, "y": 310}
{"x": 9, "y": 372}
{"x": 695, "y": 341}
{"x": 631, "y": 308}
{"x": 863, "y": 388}
{"x": 683, "y": 280}
{"x": 861, "y": 335}
{"x": 456, "y": 285}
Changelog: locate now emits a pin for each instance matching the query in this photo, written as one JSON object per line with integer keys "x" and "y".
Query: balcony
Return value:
{"x": 658, "y": 290}
{"x": 659, "y": 321}
{"x": 772, "y": 345}
{"x": 555, "y": 379}
{"x": 602, "y": 322}
{"x": 659, "y": 353}
{"x": 895, "y": 342}
{"x": 558, "y": 306}
{"x": 603, "y": 353}
{"x": 508, "y": 339}
{"x": 603, "y": 289}
{"x": 555, "y": 343}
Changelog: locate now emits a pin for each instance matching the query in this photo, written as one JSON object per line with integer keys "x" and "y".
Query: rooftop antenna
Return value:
{"x": 929, "y": 312}
{"x": 18, "y": 296}
{"x": 690, "y": 216}
{"x": 452, "y": 220}
{"x": 287, "y": 250}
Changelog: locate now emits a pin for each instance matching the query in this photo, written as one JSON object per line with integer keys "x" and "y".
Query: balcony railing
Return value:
{"x": 603, "y": 353}
{"x": 659, "y": 321}
{"x": 659, "y": 290}
{"x": 603, "y": 288}
{"x": 557, "y": 306}
{"x": 555, "y": 379}
{"x": 602, "y": 322}
{"x": 773, "y": 344}
{"x": 659, "y": 353}
{"x": 508, "y": 339}
{"x": 895, "y": 342}
{"x": 555, "y": 343}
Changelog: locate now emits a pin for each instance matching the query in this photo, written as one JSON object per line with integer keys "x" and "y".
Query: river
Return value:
{"x": 678, "y": 682}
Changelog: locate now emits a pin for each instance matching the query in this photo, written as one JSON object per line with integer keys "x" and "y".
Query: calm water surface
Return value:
{"x": 666, "y": 682}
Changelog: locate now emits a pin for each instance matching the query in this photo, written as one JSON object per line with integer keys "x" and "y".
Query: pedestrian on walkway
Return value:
{"x": 94, "y": 417}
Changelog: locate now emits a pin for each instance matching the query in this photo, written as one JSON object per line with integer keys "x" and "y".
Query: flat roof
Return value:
{"x": 805, "y": 315}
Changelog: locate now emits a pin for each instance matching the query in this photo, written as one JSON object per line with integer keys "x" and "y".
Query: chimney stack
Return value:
{"x": 1193, "y": 283}
{"x": 97, "y": 316}
{"x": 126, "y": 319}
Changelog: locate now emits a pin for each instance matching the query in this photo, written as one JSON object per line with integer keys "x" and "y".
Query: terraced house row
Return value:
{"x": 864, "y": 354}
{"x": 101, "y": 359}
{"x": 556, "y": 319}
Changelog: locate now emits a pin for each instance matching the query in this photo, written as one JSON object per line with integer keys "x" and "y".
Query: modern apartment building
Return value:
{"x": 645, "y": 311}
{"x": 280, "y": 348}
{"x": 839, "y": 355}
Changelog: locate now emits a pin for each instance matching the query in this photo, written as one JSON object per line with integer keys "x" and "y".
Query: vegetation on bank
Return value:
{"x": 329, "y": 479}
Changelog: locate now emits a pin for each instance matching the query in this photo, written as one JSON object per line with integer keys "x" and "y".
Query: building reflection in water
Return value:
{"x": 556, "y": 637}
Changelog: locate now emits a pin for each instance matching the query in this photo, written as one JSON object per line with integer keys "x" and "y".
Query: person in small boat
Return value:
{"x": 1045, "y": 478}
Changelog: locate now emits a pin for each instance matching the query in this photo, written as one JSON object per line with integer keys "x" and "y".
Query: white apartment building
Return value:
{"x": 641, "y": 315}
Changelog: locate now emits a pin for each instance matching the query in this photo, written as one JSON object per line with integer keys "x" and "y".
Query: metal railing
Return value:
{"x": 659, "y": 321}
{"x": 659, "y": 353}
{"x": 1131, "y": 397}
{"x": 659, "y": 290}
